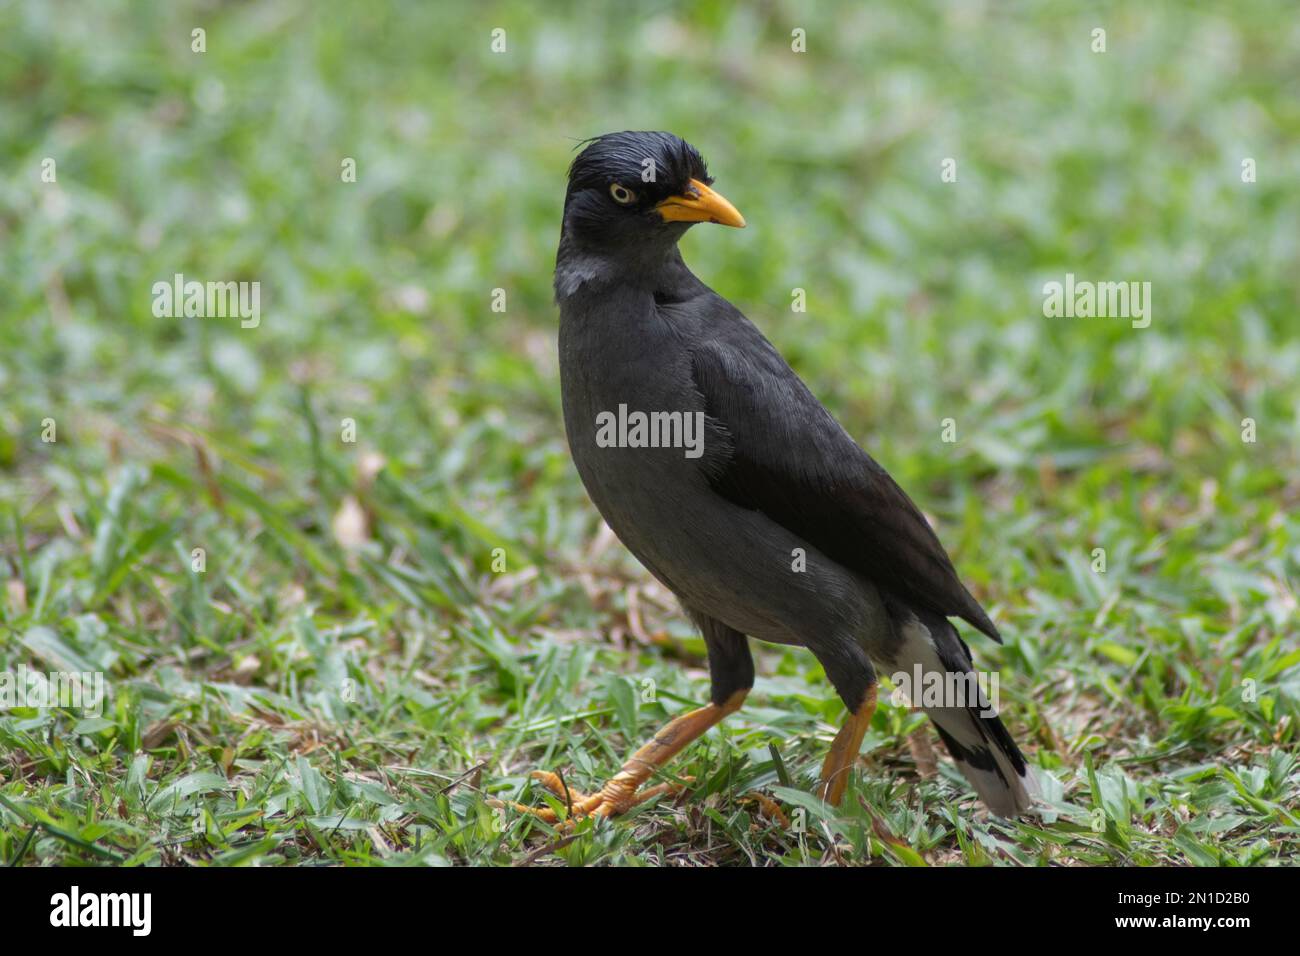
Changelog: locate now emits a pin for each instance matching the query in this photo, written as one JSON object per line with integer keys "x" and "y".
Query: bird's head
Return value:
{"x": 640, "y": 191}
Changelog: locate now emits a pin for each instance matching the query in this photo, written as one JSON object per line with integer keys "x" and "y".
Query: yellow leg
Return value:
{"x": 844, "y": 751}
{"x": 623, "y": 791}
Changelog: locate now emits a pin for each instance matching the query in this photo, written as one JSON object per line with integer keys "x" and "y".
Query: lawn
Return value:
{"x": 336, "y": 568}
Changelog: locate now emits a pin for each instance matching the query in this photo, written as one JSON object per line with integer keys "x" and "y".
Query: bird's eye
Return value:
{"x": 622, "y": 195}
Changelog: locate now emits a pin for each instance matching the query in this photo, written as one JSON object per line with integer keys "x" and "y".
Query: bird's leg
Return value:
{"x": 623, "y": 792}
{"x": 844, "y": 750}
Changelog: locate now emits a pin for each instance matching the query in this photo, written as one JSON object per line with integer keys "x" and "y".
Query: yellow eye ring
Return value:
{"x": 622, "y": 195}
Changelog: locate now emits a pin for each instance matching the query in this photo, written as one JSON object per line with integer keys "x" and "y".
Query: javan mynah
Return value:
{"x": 718, "y": 468}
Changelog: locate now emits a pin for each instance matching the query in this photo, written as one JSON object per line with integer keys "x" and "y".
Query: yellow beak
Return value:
{"x": 700, "y": 204}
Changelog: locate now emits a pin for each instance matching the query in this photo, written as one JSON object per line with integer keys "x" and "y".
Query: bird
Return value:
{"x": 716, "y": 466}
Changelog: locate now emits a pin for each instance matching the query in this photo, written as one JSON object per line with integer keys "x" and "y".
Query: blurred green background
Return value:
{"x": 350, "y": 676}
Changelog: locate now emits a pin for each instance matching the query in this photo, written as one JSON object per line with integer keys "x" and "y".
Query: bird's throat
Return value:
{"x": 582, "y": 268}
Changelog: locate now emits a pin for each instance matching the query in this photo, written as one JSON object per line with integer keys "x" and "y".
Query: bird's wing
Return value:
{"x": 785, "y": 456}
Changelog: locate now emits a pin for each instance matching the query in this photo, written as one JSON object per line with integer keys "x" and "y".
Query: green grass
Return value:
{"x": 349, "y": 680}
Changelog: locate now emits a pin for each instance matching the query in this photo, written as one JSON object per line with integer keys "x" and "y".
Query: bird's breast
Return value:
{"x": 635, "y": 422}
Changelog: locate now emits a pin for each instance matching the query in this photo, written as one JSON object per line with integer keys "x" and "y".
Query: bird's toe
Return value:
{"x": 613, "y": 799}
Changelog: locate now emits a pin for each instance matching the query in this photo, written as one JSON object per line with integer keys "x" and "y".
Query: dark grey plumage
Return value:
{"x": 778, "y": 476}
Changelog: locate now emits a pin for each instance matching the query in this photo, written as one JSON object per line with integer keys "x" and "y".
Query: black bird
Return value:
{"x": 716, "y": 466}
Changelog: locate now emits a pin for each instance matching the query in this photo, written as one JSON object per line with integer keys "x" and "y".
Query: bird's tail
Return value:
{"x": 936, "y": 669}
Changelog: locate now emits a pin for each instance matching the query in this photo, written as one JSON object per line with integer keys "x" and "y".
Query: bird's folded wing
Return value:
{"x": 781, "y": 453}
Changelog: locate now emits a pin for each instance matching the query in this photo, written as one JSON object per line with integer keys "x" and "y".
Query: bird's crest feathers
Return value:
{"x": 622, "y": 157}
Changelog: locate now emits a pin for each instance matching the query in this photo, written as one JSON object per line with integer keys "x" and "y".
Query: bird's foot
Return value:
{"x": 623, "y": 791}
{"x": 617, "y": 796}
{"x": 768, "y": 808}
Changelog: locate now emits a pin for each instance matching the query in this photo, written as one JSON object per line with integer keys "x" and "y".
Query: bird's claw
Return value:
{"x": 614, "y": 798}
